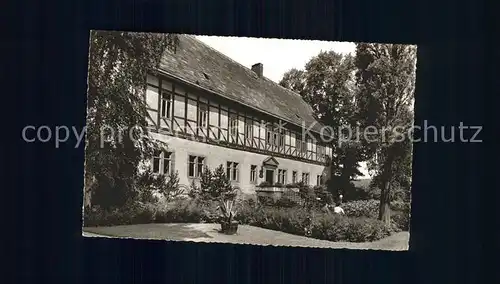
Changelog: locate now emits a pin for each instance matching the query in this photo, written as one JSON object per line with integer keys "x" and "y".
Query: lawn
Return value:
{"x": 246, "y": 235}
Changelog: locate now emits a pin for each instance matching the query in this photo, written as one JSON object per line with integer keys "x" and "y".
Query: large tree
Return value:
{"x": 386, "y": 84}
{"x": 327, "y": 84}
{"x": 117, "y": 139}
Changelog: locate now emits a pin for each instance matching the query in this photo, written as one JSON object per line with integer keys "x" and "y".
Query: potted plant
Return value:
{"x": 229, "y": 226}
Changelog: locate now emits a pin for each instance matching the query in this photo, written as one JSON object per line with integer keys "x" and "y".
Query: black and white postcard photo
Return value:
{"x": 260, "y": 141}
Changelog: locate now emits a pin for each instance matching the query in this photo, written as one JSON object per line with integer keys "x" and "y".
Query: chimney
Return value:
{"x": 258, "y": 68}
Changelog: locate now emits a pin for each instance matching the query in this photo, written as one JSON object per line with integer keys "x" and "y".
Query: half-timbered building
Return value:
{"x": 211, "y": 110}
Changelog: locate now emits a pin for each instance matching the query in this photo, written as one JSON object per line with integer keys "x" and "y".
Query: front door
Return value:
{"x": 270, "y": 176}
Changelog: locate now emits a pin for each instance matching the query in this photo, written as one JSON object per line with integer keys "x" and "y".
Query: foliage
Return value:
{"x": 115, "y": 106}
{"x": 228, "y": 210}
{"x": 293, "y": 220}
{"x": 324, "y": 226}
{"x": 361, "y": 190}
{"x": 264, "y": 184}
{"x": 147, "y": 183}
{"x": 345, "y": 166}
{"x": 181, "y": 211}
{"x": 289, "y": 199}
{"x": 340, "y": 228}
{"x": 213, "y": 186}
{"x": 386, "y": 83}
{"x": 201, "y": 191}
{"x": 328, "y": 85}
{"x": 325, "y": 197}
{"x": 172, "y": 189}
{"x": 130, "y": 213}
{"x": 400, "y": 216}
{"x": 220, "y": 185}
{"x": 307, "y": 194}
{"x": 361, "y": 208}
{"x": 401, "y": 220}
{"x": 265, "y": 200}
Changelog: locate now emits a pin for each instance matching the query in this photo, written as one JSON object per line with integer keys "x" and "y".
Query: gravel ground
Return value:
{"x": 245, "y": 235}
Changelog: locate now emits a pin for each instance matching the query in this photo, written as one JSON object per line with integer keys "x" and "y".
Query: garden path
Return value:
{"x": 246, "y": 235}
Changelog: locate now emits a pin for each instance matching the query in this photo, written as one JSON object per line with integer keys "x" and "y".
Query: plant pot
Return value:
{"x": 229, "y": 228}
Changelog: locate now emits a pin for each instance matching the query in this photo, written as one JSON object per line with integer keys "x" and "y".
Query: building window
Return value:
{"x": 305, "y": 178}
{"x": 300, "y": 145}
{"x": 233, "y": 125}
{"x": 202, "y": 115}
{"x": 249, "y": 129}
{"x": 282, "y": 176}
{"x": 253, "y": 173}
{"x": 269, "y": 136}
{"x": 320, "y": 152}
{"x": 232, "y": 171}
{"x": 319, "y": 180}
{"x": 162, "y": 162}
{"x": 282, "y": 139}
{"x": 306, "y": 143}
{"x": 195, "y": 167}
{"x": 165, "y": 104}
{"x": 294, "y": 177}
{"x": 275, "y": 139}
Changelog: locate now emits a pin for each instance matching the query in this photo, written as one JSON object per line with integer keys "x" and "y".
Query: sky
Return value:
{"x": 277, "y": 55}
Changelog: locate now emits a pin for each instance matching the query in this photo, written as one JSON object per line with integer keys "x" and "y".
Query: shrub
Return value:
{"x": 325, "y": 197}
{"x": 400, "y": 212}
{"x": 289, "y": 221}
{"x": 131, "y": 213}
{"x": 264, "y": 184}
{"x": 147, "y": 182}
{"x": 361, "y": 208}
{"x": 307, "y": 194}
{"x": 324, "y": 226}
{"x": 286, "y": 201}
{"x": 265, "y": 200}
{"x": 181, "y": 211}
{"x": 401, "y": 217}
{"x": 214, "y": 185}
{"x": 341, "y": 228}
{"x": 400, "y": 206}
{"x": 330, "y": 227}
{"x": 172, "y": 190}
{"x": 249, "y": 212}
{"x": 293, "y": 220}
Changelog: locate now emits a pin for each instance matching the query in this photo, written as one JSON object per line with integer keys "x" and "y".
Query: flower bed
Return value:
{"x": 293, "y": 220}
{"x": 321, "y": 226}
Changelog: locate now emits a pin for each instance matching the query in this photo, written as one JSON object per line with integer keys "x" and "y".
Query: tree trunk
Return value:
{"x": 89, "y": 183}
{"x": 384, "y": 207}
{"x": 385, "y": 192}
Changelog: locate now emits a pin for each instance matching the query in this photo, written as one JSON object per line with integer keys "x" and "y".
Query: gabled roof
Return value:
{"x": 203, "y": 66}
{"x": 270, "y": 161}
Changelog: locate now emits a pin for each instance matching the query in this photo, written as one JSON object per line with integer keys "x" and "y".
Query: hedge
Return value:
{"x": 400, "y": 211}
{"x": 294, "y": 220}
{"x": 323, "y": 226}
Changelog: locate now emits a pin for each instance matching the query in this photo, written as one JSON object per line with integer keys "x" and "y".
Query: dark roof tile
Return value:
{"x": 194, "y": 61}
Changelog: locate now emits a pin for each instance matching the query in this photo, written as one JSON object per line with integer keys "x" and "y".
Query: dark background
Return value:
{"x": 45, "y": 69}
